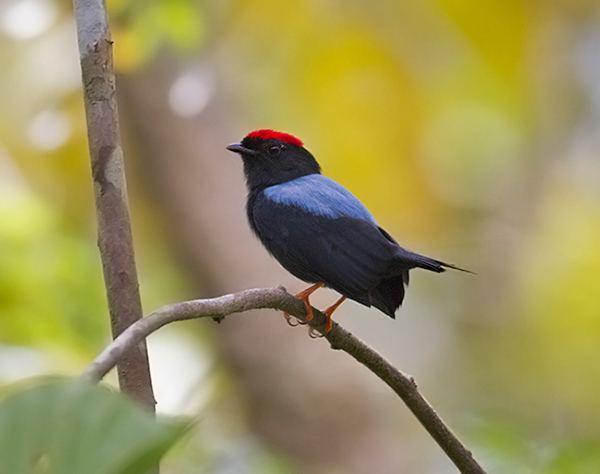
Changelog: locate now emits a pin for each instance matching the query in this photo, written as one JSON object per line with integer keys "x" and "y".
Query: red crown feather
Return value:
{"x": 268, "y": 134}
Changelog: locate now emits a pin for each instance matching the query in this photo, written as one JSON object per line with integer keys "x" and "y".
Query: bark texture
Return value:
{"x": 114, "y": 228}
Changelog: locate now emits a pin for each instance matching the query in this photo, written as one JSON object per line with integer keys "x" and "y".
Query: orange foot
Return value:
{"x": 329, "y": 324}
{"x": 329, "y": 311}
{"x": 304, "y": 295}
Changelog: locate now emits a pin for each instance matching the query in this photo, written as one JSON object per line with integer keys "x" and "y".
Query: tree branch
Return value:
{"x": 277, "y": 298}
{"x": 114, "y": 228}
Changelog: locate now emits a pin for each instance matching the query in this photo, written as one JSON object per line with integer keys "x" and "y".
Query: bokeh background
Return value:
{"x": 471, "y": 129}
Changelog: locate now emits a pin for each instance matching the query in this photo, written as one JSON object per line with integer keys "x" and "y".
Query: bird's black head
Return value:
{"x": 272, "y": 157}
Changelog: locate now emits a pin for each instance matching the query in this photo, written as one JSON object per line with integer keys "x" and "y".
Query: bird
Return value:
{"x": 319, "y": 231}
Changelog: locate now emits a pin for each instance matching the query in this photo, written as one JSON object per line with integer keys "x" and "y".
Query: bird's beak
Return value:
{"x": 237, "y": 148}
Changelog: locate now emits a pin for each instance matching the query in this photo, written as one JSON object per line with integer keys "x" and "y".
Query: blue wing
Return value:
{"x": 320, "y": 196}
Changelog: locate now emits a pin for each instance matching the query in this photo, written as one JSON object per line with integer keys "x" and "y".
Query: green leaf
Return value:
{"x": 67, "y": 426}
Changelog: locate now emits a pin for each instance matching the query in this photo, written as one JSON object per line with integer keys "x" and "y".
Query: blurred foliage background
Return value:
{"x": 472, "y": 130}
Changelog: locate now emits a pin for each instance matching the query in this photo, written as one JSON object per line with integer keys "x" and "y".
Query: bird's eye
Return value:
{"x": 274, "y": 150}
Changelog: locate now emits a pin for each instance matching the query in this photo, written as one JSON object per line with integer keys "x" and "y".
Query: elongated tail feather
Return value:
{"x": 413, "y": 260}
{"x": 388, "y": 295}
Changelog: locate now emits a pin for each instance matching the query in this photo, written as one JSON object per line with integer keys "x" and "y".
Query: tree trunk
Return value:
{"x": 114, "y": 228}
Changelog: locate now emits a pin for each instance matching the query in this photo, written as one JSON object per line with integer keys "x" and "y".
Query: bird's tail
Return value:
{"x": 388, "y": 295}
{"x": 415, "y": 260}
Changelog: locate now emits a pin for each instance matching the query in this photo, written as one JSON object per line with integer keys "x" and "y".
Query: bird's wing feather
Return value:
{"x": 324, "y": 238}
{"x": 320, "y": 196}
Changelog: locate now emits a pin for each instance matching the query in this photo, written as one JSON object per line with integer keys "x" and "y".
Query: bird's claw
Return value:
{"x": 292, "y": 322}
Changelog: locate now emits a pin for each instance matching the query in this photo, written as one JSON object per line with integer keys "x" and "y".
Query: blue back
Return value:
{"x": 320, "y": 196}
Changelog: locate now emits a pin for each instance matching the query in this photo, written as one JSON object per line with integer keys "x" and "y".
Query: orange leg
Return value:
{"x": 304, "y": 295}
{"x": 329, "y": 311}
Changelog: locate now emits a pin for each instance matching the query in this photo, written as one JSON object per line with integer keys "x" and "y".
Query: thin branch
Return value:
{"x": 114, "y": 228}
{"x": 277, "y": 298}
